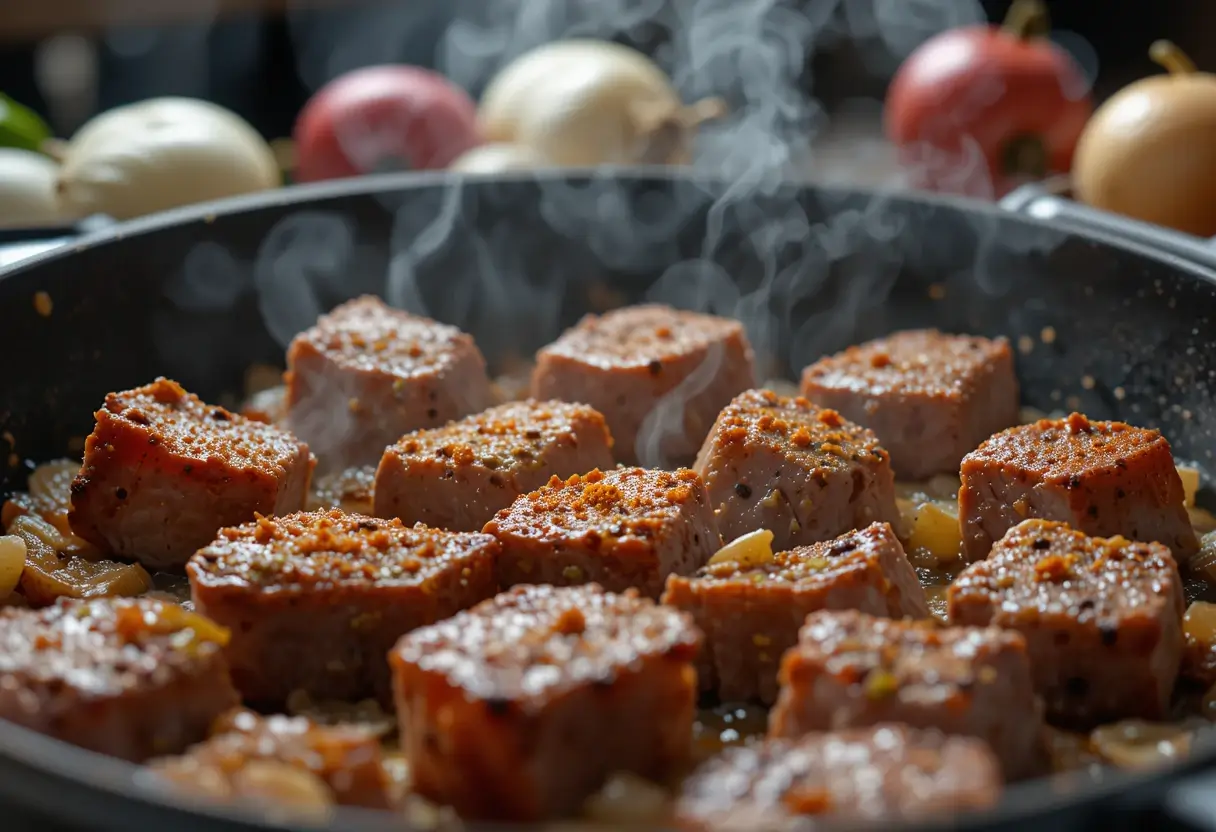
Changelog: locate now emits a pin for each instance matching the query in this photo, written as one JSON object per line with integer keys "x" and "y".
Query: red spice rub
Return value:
{"x": 163, "y": 471}
{"x": 629, "y": 527}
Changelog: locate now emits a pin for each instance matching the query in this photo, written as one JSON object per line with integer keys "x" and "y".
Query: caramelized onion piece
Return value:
{"x": 50, "y": 497}
{"x": 1203, "y": 562}
{"x": 12, "y": 564}
{"x": 936, "y": 595}
{"x": 1136, "y": 744}
{"x": 627, "y": 800}
{"x": 751, "y": 549}
{"x": 298, "y": 793}
{"x": 936, "y": 536}
{"x": 48, "y": 575}
{"x": 1190, "y": 483}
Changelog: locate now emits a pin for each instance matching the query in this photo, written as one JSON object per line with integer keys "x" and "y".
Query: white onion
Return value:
{"x": 27, "y": 189}
{"x": 160, "y": 154}
{"x": 588, "y": 102}
{"x": 752, "y": 549}
{"x": 497, "y": 158}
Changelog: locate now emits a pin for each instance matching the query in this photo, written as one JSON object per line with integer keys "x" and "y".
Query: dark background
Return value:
{"x": 263, "y": 63}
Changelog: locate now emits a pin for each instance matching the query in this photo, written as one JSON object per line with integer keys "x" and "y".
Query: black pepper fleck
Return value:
{"x": 120, "y": 493}
{"x": 655, "y": 367}
{"x": 1041, "y": 544}
{"x": 1108, "y": 634}
{"x": 743, "y": 490}
{"x": 432, "y": 413}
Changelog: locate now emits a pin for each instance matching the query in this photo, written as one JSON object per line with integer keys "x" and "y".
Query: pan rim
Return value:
{"x": 110, "y": 779}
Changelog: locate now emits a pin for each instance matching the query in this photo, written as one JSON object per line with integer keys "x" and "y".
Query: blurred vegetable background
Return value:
{"x": 303, "y": 90}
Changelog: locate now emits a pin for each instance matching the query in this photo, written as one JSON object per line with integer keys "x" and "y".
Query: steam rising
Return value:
{"x": 754, "y": 53}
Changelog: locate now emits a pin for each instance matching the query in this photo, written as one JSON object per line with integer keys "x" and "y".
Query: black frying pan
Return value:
{"x": 1116, "y": 322}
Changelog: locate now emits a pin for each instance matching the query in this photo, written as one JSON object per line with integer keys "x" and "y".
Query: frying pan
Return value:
{"x": 1112, "y": 319}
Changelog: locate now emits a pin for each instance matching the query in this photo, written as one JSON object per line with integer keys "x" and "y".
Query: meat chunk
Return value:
{"x": 315, "y": 600}
{"x": 341, "y": 764}
{"x": 884, "y": 772}
{"x": 801, "y": 472}
{"x": 629, "y": 527}
{"x": 366, "y": 374}
{"x": 457, "y": 477}
{"x": 1102, "y": 618}
{"x": 1102, "y": 478}
{"x": 132, "y": 678}
{"x": 658, "y": 375}
{"x": 163, "y": 472}
{"x": 520, "y": 708}
{"x": 750, "y": 612}
{"x": 851, "y": 669}
{"x": 930, "y": 397}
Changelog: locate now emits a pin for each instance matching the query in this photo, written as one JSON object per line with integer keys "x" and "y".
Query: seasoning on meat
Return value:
{"x": 129, "y": 677}
{"x": 929, "y": 396}
{"x": 366, "y": 374}
{"x": 456, "y": 477}
{"x": 345, "y": 759}
{"x": 750, "y": 613}
{"x": 163, "y": 472}
{"x": 315, "y": 600}
{"x": 522, "y": 707}
{"x": 851, "y": 669}
{"x": 1102, "y": 478}
{"x": 881, "y": 773}
{"x": 1102, "y": 618}
{"x": 658, "y": 375}
{"x": 802, "y": 472}
{"x": 629, "y": 527}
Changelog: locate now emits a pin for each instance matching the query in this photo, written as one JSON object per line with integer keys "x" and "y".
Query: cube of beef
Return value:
{"x": 880, "y": 773}
{"x": 163, "y": 472}
{"x": 129, "y": 677}
{"x": 341, "y": 764}
{"x": 457, "y": 477}
{"x": 522, "y": 707}
{"x": 851, "y": 669}
{"x": 629, "y": 527}
{"x": 315, "y": 600}
{"x": 658, "y": 375}
{"x": 930, "y": 397}
{"x": 366, "y": 374}
{"x": 1102, "y": 618}
{"x": 750, "y": 612}
{"x": 801, "y": 472}
{"x": 1102, "y": 478}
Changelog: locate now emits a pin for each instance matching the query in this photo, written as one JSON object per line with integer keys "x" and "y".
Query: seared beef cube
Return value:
{"x": 851, "y": 669}
{"x": 1102, "y": 478}
{"x": 801, "y": 472}
{"x": 366, "y": 374}
{"x": 1102, "y": 618}
{"x": 128, "y": 677}
{"x": 457, "y": 477}
{"x": 341, "y": 764}
{"x": 930, "y": 397}
{"x": 522, "y": 707}
{"x": 349, "y": 489}
{"x": 658, "y": 375}
{"x": 315, "y": 600}
{"x": 629, "y": 527}
{"x": 885, "y": 772}
{"x": 163, "y": 472}
{"x": 750, "y": 612}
